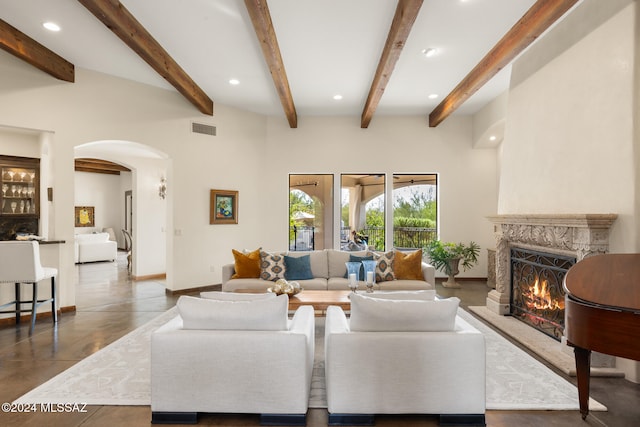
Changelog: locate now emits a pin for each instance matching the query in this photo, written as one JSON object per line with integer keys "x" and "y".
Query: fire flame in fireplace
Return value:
{"x": 540, "y": 298}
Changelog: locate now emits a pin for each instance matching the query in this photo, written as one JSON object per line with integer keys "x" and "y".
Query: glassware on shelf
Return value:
{"x": 11, "y": 173}
{"x": 14, "y": 190}
{"x": 27, "y": 207}
{"x": 13, "y": 207}
{"x": 21, "y": 208}
{"x": 369, "y": 274}
{"x": 353, "y": 270}
{"x": 22, "y": 175}
{"x": 32, "y": 175}
{"x": 5, "y": 187}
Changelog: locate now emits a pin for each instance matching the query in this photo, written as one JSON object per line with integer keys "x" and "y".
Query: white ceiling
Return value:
{"x": 328, "y": 47}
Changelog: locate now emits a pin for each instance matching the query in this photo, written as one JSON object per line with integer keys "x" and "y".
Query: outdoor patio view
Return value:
{"x": 362, "y": 211}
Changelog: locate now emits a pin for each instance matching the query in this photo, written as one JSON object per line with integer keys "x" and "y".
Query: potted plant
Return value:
{"x": 446, "y": 257}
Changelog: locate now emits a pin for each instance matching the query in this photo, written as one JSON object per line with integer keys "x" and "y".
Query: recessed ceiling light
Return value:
{"x": 337, "y": 97}
{"x": 429, "y": 52}
{"x": 51, "y": 26}
{"x": 492, "y": 138}
{"x": 433, "y": 96}
{"x": 234, "y": 82}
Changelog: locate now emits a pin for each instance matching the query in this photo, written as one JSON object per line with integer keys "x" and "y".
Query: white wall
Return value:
{"x": 251, "y": 153}
{"x": 156, "y": 118}
{"x": 569, "y": 144}
{"x": 466, "y": 177}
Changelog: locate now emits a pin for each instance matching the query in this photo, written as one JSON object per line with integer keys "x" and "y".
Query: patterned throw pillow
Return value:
{"x": 384, "y": 267}
{"x": 271, "y": 266}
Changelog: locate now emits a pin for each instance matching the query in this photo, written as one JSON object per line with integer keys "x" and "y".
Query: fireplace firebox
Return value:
{"x": 537, "y": 295}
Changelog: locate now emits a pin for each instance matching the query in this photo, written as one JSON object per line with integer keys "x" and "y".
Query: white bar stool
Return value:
{"x": 20, "y": 263}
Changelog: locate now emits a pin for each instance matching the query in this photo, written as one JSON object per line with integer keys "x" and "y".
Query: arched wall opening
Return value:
{"x": 150, "y": 213}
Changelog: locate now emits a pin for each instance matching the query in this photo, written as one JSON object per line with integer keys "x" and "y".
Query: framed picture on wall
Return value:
{"x": 223, "y": 207}
{"x": 85, "y": 216}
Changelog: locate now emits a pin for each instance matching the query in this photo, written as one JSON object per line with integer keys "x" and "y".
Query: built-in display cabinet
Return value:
{"x": 20, "y": 183}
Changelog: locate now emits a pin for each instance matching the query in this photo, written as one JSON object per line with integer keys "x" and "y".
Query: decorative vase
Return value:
{"x": 369, "y": 274}
{"x": 353, "y": 271}
{"x": 452, "y": 270}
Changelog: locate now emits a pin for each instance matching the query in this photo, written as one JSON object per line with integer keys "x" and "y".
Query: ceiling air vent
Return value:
{"x": 203, "y": 129}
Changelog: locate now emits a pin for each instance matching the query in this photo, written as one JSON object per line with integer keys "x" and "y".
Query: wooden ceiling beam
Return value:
{"x": 405, "y": 16}
{"x": 119, "y": 20}
{"x": 24, "y": 47}
{"x": 261, "y": 19}
{"x": 99, "y": 166}
{"x": 532, "y": 24}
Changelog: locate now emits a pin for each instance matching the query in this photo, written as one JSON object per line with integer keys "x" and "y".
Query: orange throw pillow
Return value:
{"x": 247, "y": 265}
{"x": 408, "y": 266}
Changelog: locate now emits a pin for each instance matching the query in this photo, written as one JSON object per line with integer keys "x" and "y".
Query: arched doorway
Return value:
{"x": 149, "y": 219}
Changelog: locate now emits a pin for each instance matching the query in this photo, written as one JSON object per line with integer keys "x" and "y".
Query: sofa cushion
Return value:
{"x": 247, "y": 265}
{"x": 271, "y": 266}
{"x": 317, "y": 259}
{"x": 356, "y": 258}
{"x": 384, "y": 266}
{"x": 317, "y": 284}
{"x": 298, "y": 268}
{"x": 337, "y": 259}
{"x": 267, "y": 314}
{"x": 405, "y": 285}
{"x": 376, "y": 314}
{"x": 235, "y": 296}
{"x": 408, "y": 266}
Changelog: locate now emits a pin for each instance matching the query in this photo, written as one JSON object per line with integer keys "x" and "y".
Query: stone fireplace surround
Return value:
{"x": 575, "y": 235}
{"x": 578, "y": 235}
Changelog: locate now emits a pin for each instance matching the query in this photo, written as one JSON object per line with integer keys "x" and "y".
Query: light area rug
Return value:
{"x": 119, "y": 374}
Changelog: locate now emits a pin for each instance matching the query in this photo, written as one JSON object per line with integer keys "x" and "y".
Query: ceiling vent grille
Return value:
{"x": 203, "y": 129}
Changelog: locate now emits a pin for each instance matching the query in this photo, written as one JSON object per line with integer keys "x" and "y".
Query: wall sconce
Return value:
{"x": 162, "y": 188}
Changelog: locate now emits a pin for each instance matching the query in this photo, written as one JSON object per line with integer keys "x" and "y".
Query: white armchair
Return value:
{"x": 243, "y": 364}
{"x": 396, "y": 372}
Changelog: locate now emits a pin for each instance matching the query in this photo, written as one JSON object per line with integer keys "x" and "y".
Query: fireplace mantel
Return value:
{"x": 579, "y": 235}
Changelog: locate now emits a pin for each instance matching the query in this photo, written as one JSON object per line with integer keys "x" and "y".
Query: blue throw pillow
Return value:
{"x": 355, "y": 258}
{"x": 297, "y": 268}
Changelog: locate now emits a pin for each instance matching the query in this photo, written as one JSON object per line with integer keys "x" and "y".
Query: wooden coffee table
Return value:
{"x": 320, "y": 300}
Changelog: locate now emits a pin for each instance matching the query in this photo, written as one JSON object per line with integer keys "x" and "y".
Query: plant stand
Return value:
{"x": 452, "y": 270}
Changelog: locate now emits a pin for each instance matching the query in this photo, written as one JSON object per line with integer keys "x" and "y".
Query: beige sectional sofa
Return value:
{"x": 329, "y": 271}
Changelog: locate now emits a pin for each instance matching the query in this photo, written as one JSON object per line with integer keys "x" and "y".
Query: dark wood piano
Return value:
{"x": 602, "y": 312}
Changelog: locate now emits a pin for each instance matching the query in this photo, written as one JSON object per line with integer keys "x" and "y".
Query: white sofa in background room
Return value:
{"x": 95, "y": 247}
